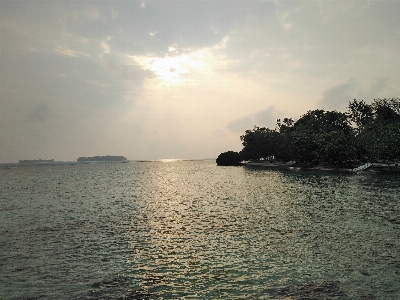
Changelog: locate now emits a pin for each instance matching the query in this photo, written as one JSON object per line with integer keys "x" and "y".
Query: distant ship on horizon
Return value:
{"x": 102, "y": 158}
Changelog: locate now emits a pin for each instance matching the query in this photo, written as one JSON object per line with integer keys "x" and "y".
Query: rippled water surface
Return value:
{"x": 192, "y": 230}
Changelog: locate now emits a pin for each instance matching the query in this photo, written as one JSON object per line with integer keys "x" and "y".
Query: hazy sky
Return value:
{"x": 182, "y": 79}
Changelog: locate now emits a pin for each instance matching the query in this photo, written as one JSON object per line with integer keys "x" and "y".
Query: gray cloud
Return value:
{"x": 265, "y": 118}
{"x": 378, "y": 88}
{"x": 41, "y": 112}
{"x": 338, "y": 96}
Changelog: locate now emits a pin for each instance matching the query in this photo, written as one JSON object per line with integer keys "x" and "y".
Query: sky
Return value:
{"x": 182, "y": 79}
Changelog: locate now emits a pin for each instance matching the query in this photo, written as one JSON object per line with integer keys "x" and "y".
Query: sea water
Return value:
{"x": 193, "y": 230}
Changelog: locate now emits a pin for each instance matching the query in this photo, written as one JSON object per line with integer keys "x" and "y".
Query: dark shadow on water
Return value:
{"x": 116, "y": 288}
{"x": 316, "y": 290}
{"x": 109, "y": 283}
{"x": 310, "y": 290}
{"x": 126, "y": 295}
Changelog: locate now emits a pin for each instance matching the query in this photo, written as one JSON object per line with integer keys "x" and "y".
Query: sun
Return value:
{"x": 171, "y": 70}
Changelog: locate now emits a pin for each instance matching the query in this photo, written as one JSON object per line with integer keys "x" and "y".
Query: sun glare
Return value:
{"x": 171, "y": 70}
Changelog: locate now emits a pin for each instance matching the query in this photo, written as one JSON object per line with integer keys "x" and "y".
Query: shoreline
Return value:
{"x": 291, "y": 166}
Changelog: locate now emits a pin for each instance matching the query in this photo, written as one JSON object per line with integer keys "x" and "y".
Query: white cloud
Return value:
{"x": 69, "y": 52}
{"x": 105, "y": 46}
{"x": 172, "y": 70}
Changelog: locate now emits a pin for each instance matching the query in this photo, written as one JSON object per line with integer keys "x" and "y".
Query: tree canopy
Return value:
{"x": 229, "y": 158}
{"x": 365, "y": 132}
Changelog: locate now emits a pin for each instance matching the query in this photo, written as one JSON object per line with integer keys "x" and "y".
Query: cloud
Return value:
{"x": 105, "y": 46}
{"x": 69, "y": 52}
{"x": 91, "y": 12}
{"x": 378, "y": 87}
{"x": 174, "y": 69}
{"x": 336, "y": 96}
{"x": 86, "y": 11}
{"x": 41, "y": 112}
{"x": 264, "y": 118}
{"x": 283, "y": 17}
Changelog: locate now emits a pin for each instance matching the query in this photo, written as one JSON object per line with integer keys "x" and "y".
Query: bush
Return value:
{"x": 229, "y": 158}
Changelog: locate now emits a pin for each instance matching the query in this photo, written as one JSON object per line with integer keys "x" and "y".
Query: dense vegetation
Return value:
{"x": 229, "y": 158}
{"x": 365, "y": 132}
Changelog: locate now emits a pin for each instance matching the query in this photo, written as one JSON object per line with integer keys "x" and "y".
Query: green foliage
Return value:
{"x": 260, "y": 143}
{"x": 378, "y": 136}
{"x": 322, "y": 137}
{"x": 229, "y": 158}
{"x": 359, "y": 112}
{"x": 365, "y": 132}
{"x": 380, "y": 141}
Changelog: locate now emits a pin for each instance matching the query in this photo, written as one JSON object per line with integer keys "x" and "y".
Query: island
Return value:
{"x": 36, "y": 161}
{"x": 107, "y": 158}
{"x": 365, "y": 136}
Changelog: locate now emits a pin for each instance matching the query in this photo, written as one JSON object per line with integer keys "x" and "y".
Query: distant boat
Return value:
{"x": 101, "y": 158}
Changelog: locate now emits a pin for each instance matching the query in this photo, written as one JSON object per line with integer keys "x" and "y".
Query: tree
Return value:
{"x": 260, "y": 143}
{"x": 379, "y": 138}
{"x": 365, "y": 132}
{"x": 377, "y": 128}
{"x": 360, "y": 113}
{"x": 323, "y": 137}
{"x": 229, "y": 158}
{"x": 285, "y": 146}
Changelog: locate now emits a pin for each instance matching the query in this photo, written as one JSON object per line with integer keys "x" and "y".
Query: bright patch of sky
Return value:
{"x": 182, "y": 79}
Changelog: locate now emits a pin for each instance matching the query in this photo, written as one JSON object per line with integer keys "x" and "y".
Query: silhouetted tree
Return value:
{"x": 260, "y": 143}
{"x": 379, "y": 137}
{"x": 229, "y": 158}
{"x": 360, "y": 113}
{"x": 365, "y": 132}
{"x": 323, "y": 137}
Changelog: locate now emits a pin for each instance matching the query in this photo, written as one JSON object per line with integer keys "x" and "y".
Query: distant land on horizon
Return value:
{"x": 33, "y": 161}
{"x": 102, "y": 158}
